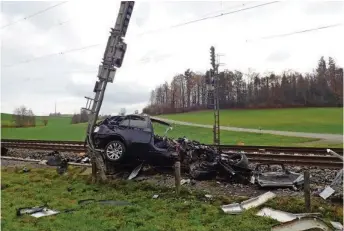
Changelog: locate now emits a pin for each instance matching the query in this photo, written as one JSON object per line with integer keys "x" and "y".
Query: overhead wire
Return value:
{"x": 297, "y": 32}
{"x": 33, "y": 15}
{"x": 87, "y": 47}
{"x": 193, "y": 21}
{"x": 209, "y": 17}
{"x": 53, "y": 54}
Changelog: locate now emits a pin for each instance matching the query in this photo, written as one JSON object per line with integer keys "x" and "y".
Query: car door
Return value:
{"x": 141, "y": 135}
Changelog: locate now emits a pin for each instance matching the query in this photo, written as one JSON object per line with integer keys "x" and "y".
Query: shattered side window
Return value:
{"x": 138, "y": 122}
{"x": 124, "y": 122}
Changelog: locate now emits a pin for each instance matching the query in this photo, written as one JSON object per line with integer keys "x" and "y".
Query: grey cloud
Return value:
{"x": 278, "y": 56}
{"x": 48, "y": 21}
{"x": 116, "y": 93}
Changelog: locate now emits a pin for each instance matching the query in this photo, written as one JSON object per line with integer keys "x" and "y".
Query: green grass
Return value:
{"x": 314, "y": 120}
{"x": 168, "y": 212}
{"x": 61, "y": 129}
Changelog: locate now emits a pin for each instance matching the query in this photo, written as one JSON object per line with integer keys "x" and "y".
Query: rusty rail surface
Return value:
{"x": 277, "y": 149}
{"x": 260, "y": 154}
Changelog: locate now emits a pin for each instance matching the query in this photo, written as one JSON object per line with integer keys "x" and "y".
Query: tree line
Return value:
{"x": 188, "y": 92}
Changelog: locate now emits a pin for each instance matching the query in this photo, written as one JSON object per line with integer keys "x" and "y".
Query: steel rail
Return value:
{"x": 278, "y": 149}
{"x": 328, "y": 161}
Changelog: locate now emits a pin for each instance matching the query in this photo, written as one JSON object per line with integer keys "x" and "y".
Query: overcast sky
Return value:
{"x": 152, "y": 56}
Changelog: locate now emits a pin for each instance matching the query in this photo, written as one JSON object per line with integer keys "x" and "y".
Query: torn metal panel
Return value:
{"x": 337, "y": 225}
{"x": 257, "y": 201}
{"x": 282, "y": 216}
{"x": 327, "y": 192}
{"x": 304, "y": 223}
{"x": 45, "y": 212}
{"x": 236, "y": 208}
{"x": 135, "y": 172}
{"x": 336, "y": 185}
{"x": 282, "y": 178}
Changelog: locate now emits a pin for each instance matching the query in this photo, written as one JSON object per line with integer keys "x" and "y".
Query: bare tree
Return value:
{"x": 24, "y": 117}
{"x": 322, "y": 87}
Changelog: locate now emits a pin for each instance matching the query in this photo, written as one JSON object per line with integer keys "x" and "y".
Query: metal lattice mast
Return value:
{"x": 213, "y": 96}
{"x": 113, "y": 57}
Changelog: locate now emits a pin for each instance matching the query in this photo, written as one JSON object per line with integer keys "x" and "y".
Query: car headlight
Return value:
{"x": 96, "y": 129}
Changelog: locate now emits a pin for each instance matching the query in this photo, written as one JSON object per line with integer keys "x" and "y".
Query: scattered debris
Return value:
{"x": 30, "y": 210}
{"x": 236, "y": 208}
{"x": 43, "y": 162}
{"x": 111, "y": 202}
{"x": 327, "y": 192}
{"x": 208, "y": 196}
{"x": 282, "y": 216}
{"x": 86, "y": 160}
{"x": 337, "y": 183}
{"x": 54, "y": 159}
{"x": 185, "y": 181}
{"x": 45, "y": 212}
{"x": 337, "y": 225}
{"x": 62, "y": 168}
{"x": 135, "y": 172}
{"x": 26, "y": 170}
{"x": 155, "y": 196}
{"x": 282, "y": 178}
{"x": 303, "y": 223}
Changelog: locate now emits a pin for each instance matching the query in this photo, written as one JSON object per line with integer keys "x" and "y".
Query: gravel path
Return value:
{"x": 327, "y": 137}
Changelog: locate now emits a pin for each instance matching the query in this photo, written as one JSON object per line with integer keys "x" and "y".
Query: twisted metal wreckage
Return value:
{"x": 128, "y": 143}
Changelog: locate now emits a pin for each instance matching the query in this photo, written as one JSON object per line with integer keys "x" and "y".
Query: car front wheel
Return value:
{"x": 114, "y": 150}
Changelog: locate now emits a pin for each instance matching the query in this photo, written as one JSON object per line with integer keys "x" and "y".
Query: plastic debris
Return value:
{"x": 300, "y": 224}
{"x": 185, "y": 181}
{"x": 135, "y": 172}
{"x": 282, "y": 216}
{"x": 236, "y": 208}
{"x": 337, "y": 225}
{"x": 45, "y": 212}
{"x": 155, "y": 196}
{"x": 327, "y": 192}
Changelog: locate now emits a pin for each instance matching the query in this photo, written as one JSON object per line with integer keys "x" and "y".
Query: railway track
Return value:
{"x": 261, "y": 154}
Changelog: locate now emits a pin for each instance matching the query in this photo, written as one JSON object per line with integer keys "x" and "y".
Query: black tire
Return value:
{"x": 241, "y": 160}
{"x": 114, "y": 151}
{"x": 201, "y": 170}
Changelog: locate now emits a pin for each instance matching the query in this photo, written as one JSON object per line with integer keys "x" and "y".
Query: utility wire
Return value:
{"x": 53, "y": 54}
{"x": 32, "y": 15}
{"x": 147, "y": 60}
{"x": 297, "y": 32}
{"x": 209, "y": 17}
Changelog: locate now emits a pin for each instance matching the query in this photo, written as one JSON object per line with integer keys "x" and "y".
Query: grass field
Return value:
{"x": 314, "y": 120}
{"x": 188, "y": 212}
{"x": 60, "y": 128}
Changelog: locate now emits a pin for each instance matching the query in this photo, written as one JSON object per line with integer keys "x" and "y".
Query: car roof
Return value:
{"x": 160, "y": 122}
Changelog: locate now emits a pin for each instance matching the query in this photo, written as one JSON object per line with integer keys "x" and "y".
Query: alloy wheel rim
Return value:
{"x": 114, "y": 151}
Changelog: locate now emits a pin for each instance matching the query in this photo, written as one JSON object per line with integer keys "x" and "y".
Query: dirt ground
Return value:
{"x": 212, "y": 187}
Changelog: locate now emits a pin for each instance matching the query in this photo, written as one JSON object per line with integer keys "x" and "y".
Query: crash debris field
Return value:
{"x": 220, "y": 189}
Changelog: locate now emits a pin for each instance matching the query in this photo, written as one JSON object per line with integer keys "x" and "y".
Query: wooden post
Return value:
{"x": 94, "y": 172}
{"x": 307, "y": 192}
{"x": 177, "y": 176}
